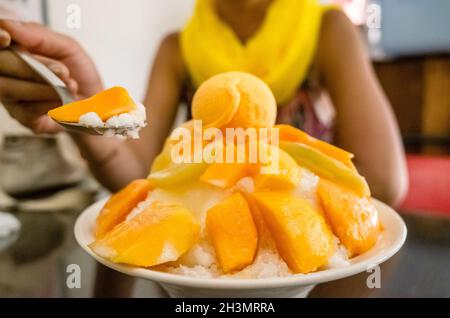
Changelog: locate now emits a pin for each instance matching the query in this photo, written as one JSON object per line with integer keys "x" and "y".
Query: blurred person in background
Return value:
{"x": 300, "y": 48}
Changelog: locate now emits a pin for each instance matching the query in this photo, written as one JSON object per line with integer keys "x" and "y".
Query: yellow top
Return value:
{"x": 280, "y": 53}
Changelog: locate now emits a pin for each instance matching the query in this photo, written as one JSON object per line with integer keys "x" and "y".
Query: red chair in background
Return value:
{"x": 429, "y": 185}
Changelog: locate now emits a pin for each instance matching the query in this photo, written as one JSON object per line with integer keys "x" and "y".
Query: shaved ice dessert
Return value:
{"x": 300, "y": 207}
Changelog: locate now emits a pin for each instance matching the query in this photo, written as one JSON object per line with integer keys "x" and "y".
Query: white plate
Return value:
{"x": 391, "y": 240}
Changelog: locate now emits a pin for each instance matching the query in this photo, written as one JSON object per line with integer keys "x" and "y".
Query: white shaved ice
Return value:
{"x": 246, "y": 184}
{"x": 91, "y": 120}
{"x": 268, "y": 263}
{"x": 168, "y": 253}
{"x": 340, "y": 256}
{"x": 126, "y": 124}
{"x": 307, "y": 187}
{"x": 201, "y": 254}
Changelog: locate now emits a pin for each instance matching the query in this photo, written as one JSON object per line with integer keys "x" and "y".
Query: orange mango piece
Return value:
{"x": 176, "y": 174}
{"x": 232, "y": 167}
{"x": 264, "y": 236}
{"x": 159, "y": 234}
{"x": 225, "y": 175}
{"x": 233, "y": 233}
{"x": 289, "y": 133}
{"x": 353, "y": 219}
{"x": 162, "y": 161}
{"x": 120, "y": 205}
{"x": 327, "y": 167}
{"x": 106, "y": 104}
{"x": 301, "y": 234}
{"x": 283, "y": 176}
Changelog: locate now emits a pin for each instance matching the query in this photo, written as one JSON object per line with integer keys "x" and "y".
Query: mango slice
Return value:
{"x": 353, "y": 219}
{"x": 289, "y": 133}
{"x": 120, "y": 205}
{"x": 327, "y": 167}
{"x": 300, "y": 232}
{"x": 106, "y": 104}
{"x": 159, "y": 234}
{"x": 284, "y": 176}
{"x": 177, "y": 174}
{"x": 264, "y": 237}
{"x": 233, "y": 233}
{"x": 162, "y": 161}
{"x": 225, "y": 175}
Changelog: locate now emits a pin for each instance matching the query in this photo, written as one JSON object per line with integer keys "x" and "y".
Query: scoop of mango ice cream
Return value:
{"x": 234, "y": 100}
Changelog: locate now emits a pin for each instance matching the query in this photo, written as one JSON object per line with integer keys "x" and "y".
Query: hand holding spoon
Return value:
{"x": 66, "y": 98}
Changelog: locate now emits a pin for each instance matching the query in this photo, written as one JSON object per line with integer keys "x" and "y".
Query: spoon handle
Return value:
{"x": 54, "y": 81}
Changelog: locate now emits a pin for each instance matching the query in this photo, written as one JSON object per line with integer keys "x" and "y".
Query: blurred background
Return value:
{"x": 409, "y": 43}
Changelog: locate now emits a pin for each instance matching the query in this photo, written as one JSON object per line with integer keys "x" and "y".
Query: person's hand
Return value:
{"x": 24, "y": 94}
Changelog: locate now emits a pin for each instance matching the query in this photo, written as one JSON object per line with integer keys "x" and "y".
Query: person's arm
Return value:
{"x": 28, "y": 99}
{"x": 365, "y": 122}
{"x": 162, "y": 98}
{"x": 114, "y": 163}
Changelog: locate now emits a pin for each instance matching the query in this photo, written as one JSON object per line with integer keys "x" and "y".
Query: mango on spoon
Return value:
{"x": 106, "y": 104}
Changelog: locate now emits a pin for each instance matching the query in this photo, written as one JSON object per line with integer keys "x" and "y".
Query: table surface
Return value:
{"x": 35, "y": 265}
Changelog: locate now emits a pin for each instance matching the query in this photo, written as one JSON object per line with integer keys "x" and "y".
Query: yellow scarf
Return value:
{"x": 280, "y": 53}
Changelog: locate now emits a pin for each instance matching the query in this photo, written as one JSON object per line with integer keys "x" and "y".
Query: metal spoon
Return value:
{"x": 66, "y": 97}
